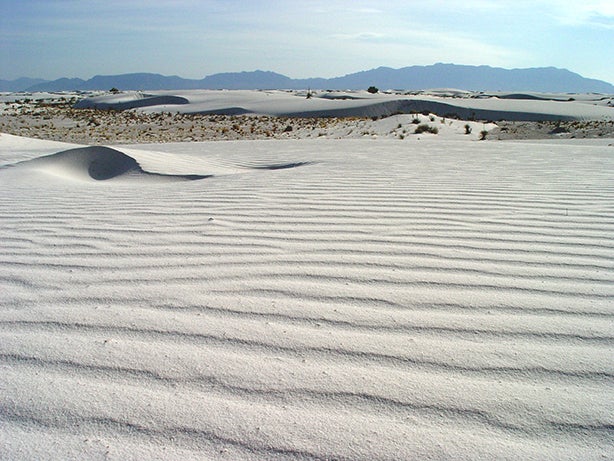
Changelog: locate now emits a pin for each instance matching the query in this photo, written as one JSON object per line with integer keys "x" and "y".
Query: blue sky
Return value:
{"x": 82, "y": 38}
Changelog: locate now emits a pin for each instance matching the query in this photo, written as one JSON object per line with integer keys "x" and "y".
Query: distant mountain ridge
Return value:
{"x": 473, "y": 78}
{"x": 20, "y": 84}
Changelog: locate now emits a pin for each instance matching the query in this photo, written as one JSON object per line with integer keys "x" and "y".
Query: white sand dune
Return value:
{"x": 325, "y": 299}
{"x": 99, "y": 163}
{"x": 499, "y": 106}
{"x": 130, "y": 100}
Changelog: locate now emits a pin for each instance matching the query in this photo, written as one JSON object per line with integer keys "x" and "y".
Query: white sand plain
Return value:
{"x": 348, "y": 299}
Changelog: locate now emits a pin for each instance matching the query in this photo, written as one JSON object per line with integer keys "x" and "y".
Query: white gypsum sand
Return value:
{"x": 307, "y": 299}
{"x": 496, "y": 106}
{"x": 205, "y": 115}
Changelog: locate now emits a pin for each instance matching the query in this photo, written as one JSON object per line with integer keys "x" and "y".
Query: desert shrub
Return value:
{"x": 415, "y": 121}
{"x": 483, "y": 135}
{"x": 432, "y": 118}
{"x": 372, "y": 90}
{"x": 467, "y": 129}
{"x": 558, "y": 129}
{"x": 424, "y": 128}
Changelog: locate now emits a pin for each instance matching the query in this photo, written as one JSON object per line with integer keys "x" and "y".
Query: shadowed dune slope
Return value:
{"x": 499, "y": 106}
{"x": 130, "y": 101}
{"x": 99, "y": 163}
{"x": 94, "y": 163}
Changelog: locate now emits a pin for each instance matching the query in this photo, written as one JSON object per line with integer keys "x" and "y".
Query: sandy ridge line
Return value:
{"x": 310, "y": 348}
{"x": 589, "y": 334}
{"x": 359, "y": 401}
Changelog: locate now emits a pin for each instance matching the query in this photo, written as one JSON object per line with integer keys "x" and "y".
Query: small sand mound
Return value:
{"x": 97, "y": 162}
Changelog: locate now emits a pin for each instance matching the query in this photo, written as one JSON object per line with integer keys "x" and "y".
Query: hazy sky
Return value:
{"x": 191, "y": 38}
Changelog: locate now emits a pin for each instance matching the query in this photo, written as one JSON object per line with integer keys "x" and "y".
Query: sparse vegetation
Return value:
{"x": 467, "y": 129}
{"x": 558, "y": 130}
{"x": 56, "y": 118}
{"x": 372, "y": 90}
{"x": 424, "y": 128}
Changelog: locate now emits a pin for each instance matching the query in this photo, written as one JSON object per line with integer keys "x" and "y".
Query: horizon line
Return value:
{"x": 299, "y": 78}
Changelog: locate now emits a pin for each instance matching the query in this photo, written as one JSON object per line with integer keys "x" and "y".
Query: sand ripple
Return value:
{"x": 310, "y": 300}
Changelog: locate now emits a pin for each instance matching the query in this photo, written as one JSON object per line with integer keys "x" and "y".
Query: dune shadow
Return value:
{"x": 105, "y": 163}
{"x": 98, "y": 163}
{"x": 145, "y": 100}
{"x": 224, "y": 111}
{"x": 281, "y": 166}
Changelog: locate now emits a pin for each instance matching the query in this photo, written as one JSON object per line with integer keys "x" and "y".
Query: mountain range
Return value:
{"x": 472, "y": 78}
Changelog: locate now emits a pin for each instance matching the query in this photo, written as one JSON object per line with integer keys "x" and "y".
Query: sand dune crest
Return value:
{"x": 95, "y": 162}
{"x": 130, "y": 100}
{"x": 100, "y": 163}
